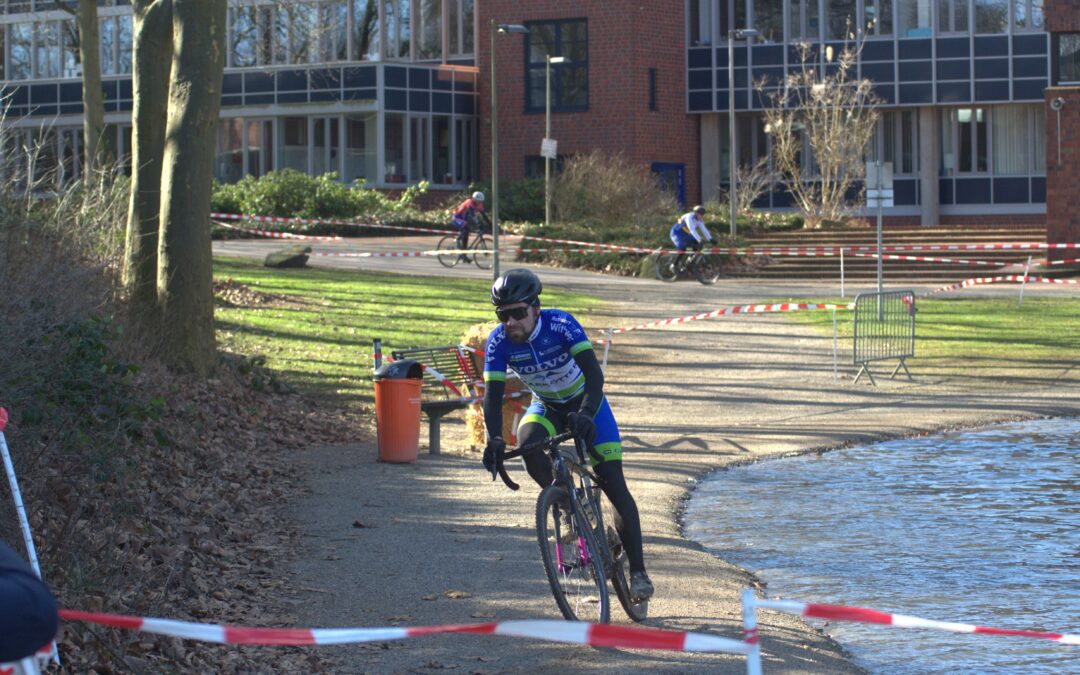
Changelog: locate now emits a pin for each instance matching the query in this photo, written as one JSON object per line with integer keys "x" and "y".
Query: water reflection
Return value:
{"x": 975, "y": 526}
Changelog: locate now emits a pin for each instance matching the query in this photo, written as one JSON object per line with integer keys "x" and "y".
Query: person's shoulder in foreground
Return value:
{"x": 28, "y": 613}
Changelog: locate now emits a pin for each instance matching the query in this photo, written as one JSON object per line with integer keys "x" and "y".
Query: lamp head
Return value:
{"x": 512, "y": 28}
{"x": 744, "y": 33}
{"x": 556, "y": 59}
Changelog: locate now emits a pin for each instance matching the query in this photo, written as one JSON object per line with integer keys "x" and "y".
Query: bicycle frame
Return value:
{"x": 564, "y": 470}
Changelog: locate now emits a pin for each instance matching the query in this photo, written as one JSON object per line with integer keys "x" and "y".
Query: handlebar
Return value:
{"x": 526, "y": 449}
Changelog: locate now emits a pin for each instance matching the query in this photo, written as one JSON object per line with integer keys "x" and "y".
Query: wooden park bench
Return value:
{"x": 453, "y": 380}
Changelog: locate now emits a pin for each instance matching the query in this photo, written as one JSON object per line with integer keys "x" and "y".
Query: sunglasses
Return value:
{"x": 516, "y": 313}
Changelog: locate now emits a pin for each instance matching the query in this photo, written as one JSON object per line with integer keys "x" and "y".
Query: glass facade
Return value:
{"x": 308, "y": 86}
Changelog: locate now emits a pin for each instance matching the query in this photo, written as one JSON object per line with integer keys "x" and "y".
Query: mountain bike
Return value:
{"x": 479, "y": 251}
{"x": 705, "y": 267}
{"x": 579, "y": 552}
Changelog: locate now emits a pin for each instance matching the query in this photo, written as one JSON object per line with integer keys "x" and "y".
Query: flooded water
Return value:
{"x": 975, "y": 527}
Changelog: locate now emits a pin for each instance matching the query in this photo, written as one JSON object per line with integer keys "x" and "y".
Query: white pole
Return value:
{"x": 1023, "y": 282}
{"x": 835, "y": 372}
{"x": 750, "y": 632}
{"x": 842, "y": 273}
{"x": 609, "y": 333}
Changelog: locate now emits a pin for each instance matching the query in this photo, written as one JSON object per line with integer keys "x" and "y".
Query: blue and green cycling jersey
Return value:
{"x": 545, "y": 362}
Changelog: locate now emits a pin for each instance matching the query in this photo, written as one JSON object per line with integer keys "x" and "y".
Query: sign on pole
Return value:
{"x": 879, "y": 186}
{"x": 549, "y": 148}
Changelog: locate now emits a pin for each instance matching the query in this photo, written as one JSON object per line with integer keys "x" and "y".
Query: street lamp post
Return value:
{"x": 547, "y": 135}
{"x": 497, "y": 28}
{"x": 738, "y": 33}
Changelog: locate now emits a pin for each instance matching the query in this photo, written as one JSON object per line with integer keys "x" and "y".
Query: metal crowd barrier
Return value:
{"x": 884, "y": 329}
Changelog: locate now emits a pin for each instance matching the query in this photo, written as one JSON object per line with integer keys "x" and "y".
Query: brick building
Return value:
{"x": 390, "y": 92}
{"x": 1063, "y": 113}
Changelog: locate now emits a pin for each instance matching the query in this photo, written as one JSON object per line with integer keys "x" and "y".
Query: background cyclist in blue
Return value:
{"x": 690, "y": 232}
{"x": 549, "y": 350}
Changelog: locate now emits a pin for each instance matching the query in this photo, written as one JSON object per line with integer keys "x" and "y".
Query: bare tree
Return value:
{"x": 87, "y": 36}
{"x": 753, "y": 182}
{"x": 821, "y": 121}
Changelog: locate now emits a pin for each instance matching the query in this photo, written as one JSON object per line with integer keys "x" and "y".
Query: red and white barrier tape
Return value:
{"x": 1063, "y": 262}
{"x": 324, "y": 221}
{"x": 278, "y": 235}
{"x": 923, "y": 258}
{"x": 863, "y": 615}
{"x": 3, "y": 419}
{"x": 1018, "y": 278}
{"x": 438, "y": 376}
{"x": 396, "y": 254}
{"x": 727, "y": 311}
{"x": 573, "y": 632}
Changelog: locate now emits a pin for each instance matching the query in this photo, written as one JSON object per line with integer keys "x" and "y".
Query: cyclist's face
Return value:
{"x": 518, "y": 319}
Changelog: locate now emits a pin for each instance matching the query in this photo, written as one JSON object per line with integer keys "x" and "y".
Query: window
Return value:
{"x": 914, "y": 18}
{"x": 229, "y": 167}
{"x": 244, "y": 36}
{"x": 896, "y": 138}
{"x": 331, "y": 31}
{"x": 460, "y": 27}
{"x": 769, "y": 21}
{"x": 991, "y": 16}
{"x": 653, "y": 105}
{"x": 20, "y": 60}
{"x": 1068, "y": 58}
{"x": 394, "y": 139}
{"x": 440, "y": 156}
{"x": 569, "y": 80}
{"x": 365, "y": 29}
{"x": 1019, "y": 139}
{"x": 877, "y": 17}
{"x": 294, "y": 143}
{"x": 804, "y": 19}
{"x": 534, "y": 165}
{"x": 361, "y": 140}
{"x": 70, "y": 66}
{"x": 964, "y": 141}
{"x": 429, "y": 44}
{"x": 953, "y": 16}
{"x": 842, "y": 23}
{"x": 1028, "y": 15}
{"x": 419, "y": 149}
{"x": 464, "y": 150}
{"x": 700, "y": 19}
{"x": 398, "y": 35}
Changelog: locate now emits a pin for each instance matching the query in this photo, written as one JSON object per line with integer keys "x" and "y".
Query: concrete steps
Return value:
{"x": 858, "y": 267}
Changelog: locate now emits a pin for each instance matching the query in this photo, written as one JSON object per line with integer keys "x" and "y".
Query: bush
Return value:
{"x": 291, "y": 194}
{"x": 609, "y": 190}
{"x": 519, "y": 200}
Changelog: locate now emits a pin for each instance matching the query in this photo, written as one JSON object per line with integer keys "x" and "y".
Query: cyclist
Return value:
{"x": 465, "y": 216}
{"x": 690, "y": 232}
{"x": 28, "y": 614}
{"x": 549, "y": 350}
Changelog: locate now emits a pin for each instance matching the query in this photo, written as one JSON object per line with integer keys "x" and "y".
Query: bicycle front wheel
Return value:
{"x": 707, "y": 269}
{"x": 571, "y": 560}
{"x": 666, "y": 268}
{"x": 620, "y": 579}
{"x": 481, "y": 256}
{"x": 448, "y": 243}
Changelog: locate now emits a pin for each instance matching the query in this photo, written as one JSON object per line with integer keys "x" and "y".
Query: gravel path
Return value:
{"x": 436, "y": 542}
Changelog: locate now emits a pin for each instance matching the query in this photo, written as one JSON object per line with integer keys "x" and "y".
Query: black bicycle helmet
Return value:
{"x": 517, "y": 285}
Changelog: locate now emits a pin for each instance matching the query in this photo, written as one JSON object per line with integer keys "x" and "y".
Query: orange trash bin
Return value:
{"x": 397, "y": 410}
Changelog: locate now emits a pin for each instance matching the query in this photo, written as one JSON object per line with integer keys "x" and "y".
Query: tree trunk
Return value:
{"x": 152, "y": 42}
{"x": 184, "y": 280}
{"x": 92, "y": 95}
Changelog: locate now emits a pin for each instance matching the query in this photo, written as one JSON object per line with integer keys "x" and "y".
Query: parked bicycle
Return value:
{"x": 705, "y": 267}
{"x": 579, "y": 552}
{"x": 478, "y": 249}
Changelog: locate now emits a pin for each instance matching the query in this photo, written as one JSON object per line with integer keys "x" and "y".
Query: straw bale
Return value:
{"x": 476, "y": 337}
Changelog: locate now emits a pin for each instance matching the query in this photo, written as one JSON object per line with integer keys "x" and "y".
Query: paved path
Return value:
{"x": 386, "y": 543}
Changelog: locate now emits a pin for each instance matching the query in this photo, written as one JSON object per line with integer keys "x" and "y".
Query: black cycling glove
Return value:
{"x": 583, "y": 426}
{"x": 493, "y": 455}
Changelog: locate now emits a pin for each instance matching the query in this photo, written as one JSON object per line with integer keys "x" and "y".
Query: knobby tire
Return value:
{"x": 570, "y": 582}
{"x": 449, "y": 242}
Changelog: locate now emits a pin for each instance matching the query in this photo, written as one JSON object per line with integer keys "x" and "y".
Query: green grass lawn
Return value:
{"x": 981, "y": 337}
{"x": 318, "y": 337}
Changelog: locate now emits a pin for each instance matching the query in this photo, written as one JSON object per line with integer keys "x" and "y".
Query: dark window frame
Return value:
{"x": 534, "y": 166}
{"x": 1055, "y": 58}
{"x": 557, "y": 69}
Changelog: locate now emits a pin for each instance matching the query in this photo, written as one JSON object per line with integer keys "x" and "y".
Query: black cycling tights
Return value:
{"x": 613, "y": 483}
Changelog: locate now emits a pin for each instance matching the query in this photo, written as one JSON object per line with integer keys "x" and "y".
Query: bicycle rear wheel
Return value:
{"x": 707, "y": 268}
{"x": 620, "y": 579}
{"x": 574, "y": 569}
{"x": 448, "y": 243}
{"x": 666, "y": 269}
{"x": 483, "y": 259}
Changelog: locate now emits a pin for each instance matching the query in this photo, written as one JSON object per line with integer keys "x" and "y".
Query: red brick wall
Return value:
{"x": 1062, "y": 16}
{"x": 1062, "y": 195}
{"x": 625, "y": 40}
